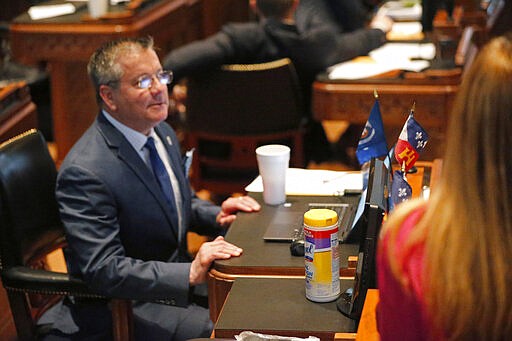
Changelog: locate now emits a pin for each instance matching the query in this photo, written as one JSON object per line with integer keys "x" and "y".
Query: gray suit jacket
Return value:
{"x": 119, "y": 228}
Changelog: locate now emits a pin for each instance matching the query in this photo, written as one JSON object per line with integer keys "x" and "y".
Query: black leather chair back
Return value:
{"x": 29, "y": 216}
{"x": 30, "y": 228}
{"x": 242, "y": 99}
{"x": 233, "y": 110}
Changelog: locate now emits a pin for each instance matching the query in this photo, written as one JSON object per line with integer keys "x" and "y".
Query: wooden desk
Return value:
{"x": 367, "y": 329}
{"x": 262, "y": 259}
{"x": 432, "y": 90}
{"x": 17, "y": 111}
{"x": 278, "y": 306}
{"x": 266, "y": 259}
{"x": 352, "y": 101}
{"x": 218, "y": 12}
{"x": 425, "y": 177}
{"x": 65, "y": 43}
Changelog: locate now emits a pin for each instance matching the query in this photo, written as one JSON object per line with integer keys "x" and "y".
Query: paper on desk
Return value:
{"x": 406, "y": 28}
{"x": 390, "y": 56}
{"x": 360, "y": 68}
{"x": 252, "y": 336}
{"x": 405, "y": 31}
{"x": 401, "y": 10}
{"x": 390, "y": 52}
{"x": 50, "y": 11}
{"x": 112, "y": 2}
{"x": 315, "y": 182}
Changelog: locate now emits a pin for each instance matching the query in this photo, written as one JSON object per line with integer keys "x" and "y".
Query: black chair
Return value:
{"x": 30, "y": 228}
{"x": 233, "y": 110}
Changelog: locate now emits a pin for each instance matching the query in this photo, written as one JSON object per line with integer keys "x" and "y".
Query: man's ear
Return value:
{"x": 107, "y": 96}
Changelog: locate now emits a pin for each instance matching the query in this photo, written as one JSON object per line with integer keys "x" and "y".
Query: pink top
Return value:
{"x": 401, "y": 314}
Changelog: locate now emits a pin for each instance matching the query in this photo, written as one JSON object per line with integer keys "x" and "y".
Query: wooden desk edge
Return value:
{"x": 367, "y": 329}
{"x": 345, "y": 336}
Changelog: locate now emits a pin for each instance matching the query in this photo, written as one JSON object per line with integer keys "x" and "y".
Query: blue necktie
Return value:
{"x": 160, "y": 173}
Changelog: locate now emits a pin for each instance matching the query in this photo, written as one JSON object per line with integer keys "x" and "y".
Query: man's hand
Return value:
{"x": 382, "y": 22}
{"x": 208, "y": 252}
{"x": 232, "y": 205}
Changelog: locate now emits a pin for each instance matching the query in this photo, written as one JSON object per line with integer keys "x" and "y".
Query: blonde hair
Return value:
{"x": 467, "y": 225}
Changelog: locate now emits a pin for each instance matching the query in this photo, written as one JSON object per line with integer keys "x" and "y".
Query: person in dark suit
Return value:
{"x": 276, "y": 36}
{"x": 127, "y": 205}
{"x": 341, "y": 17}
{"x": 338, "y": 15}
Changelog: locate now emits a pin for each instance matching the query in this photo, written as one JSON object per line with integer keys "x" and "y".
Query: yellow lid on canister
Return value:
{"x": 320, "y": 217}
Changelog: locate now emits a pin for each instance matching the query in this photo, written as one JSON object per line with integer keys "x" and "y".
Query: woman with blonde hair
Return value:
{"x": 444, "y": 265}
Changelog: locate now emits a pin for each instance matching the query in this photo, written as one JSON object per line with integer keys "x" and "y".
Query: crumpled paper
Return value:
{"x": 251, "y": 336}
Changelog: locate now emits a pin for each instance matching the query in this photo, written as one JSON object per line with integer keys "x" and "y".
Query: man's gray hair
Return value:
{"x": 104, "y": 67}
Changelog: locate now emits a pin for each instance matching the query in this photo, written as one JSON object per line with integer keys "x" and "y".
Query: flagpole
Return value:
{"x": 411, "y": 113}
{"x": 413, "y": 108}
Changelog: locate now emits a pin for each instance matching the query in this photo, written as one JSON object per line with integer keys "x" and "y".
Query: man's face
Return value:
{"x": 139, "y": 109}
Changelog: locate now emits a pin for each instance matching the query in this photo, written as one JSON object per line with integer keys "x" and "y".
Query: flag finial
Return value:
{"x": 375, "y": 94}
{"x": 413, "y": 108}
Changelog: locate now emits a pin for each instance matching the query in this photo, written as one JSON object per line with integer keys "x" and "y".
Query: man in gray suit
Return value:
{"x": 126, "y": 204}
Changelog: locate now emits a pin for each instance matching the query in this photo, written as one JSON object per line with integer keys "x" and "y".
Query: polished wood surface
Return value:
{"x": 367, "y": 329}
{"x": 17, "y": 111}
{"x": 423, "y": 177}
{"x": 218, "y": 12}
{"x": 433, "y": 95}
{"x": 65, "y": 44}
{"x": 432, "y": 90}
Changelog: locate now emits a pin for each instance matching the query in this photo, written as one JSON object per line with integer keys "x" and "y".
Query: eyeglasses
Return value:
{"x": 146, "y": 82}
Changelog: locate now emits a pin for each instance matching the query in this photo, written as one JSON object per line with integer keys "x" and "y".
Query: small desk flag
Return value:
{"x": 400, "y": 188}
{"x": 411, "y": 142}
{"x": 373, "y": 140}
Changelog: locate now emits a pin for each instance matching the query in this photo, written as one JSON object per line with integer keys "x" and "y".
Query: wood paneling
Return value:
{"x": 17, "y": 112}
{"x": 7, "y": 330}
{"x": 66, "y": 43}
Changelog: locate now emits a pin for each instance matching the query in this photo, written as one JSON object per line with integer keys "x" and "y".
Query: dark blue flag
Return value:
{"x": 373, "y": 140}
{"x": 400, "y": 188}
